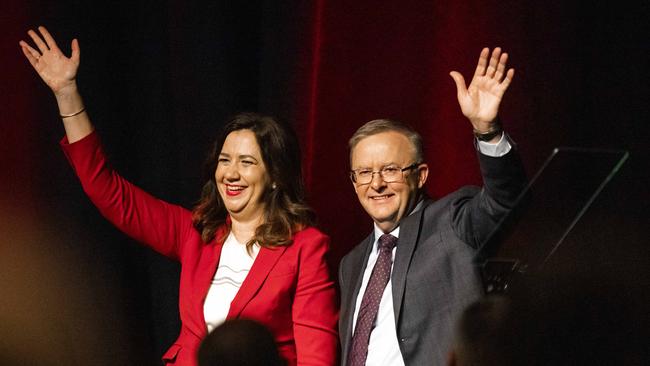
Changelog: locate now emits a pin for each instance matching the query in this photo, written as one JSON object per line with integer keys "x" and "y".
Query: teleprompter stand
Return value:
{"x": 546, "y": 211}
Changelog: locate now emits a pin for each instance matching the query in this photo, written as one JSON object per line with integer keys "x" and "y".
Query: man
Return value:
{"x": 401, "y": 293}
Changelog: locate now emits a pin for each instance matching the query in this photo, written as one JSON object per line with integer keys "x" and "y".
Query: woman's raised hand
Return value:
{"x": 56, "y": 70}
{"x": 59, "y": 73}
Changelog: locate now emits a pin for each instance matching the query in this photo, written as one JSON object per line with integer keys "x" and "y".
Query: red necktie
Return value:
{"x": 370, "y": 302}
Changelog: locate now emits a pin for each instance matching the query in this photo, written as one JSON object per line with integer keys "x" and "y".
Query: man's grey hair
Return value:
{"x": 378, "y": 126}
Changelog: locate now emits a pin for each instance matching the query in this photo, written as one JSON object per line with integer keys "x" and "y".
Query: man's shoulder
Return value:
{"x": 357, "y": 253}
{"x": 462, "y": 193}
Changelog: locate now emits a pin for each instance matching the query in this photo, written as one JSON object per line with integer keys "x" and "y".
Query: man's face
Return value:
{"x": 388, "y": 203}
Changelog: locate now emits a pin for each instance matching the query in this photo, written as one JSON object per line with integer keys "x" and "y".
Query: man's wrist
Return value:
{"x": 496, "y": 148}
{"x": 494, "y": 131}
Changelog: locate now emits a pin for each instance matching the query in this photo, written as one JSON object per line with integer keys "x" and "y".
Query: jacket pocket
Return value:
{"x": 170, "y": 356}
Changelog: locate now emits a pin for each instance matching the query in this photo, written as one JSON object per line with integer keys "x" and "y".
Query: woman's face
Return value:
{"x": 241, "y": 176}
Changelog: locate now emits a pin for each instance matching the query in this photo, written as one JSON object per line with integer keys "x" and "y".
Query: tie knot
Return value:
{"x": 387, "y": 242}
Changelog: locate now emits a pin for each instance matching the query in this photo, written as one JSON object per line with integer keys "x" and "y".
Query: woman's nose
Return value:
{"x": 231, "y": 173}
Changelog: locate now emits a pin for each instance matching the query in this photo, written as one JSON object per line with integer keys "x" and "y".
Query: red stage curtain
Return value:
{"x": 575, "y": 69}
{"x": 392, "y": 60}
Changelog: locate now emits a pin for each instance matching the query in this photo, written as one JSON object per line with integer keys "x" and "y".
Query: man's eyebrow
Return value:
{"x": 381, "y": 166}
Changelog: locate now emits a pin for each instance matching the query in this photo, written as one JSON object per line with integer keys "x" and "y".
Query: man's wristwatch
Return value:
{"x": 495, "y": 130}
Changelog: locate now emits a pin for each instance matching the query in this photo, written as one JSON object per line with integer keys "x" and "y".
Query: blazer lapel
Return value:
{"x": 355, "y": 274}
{"x": 264, "y": 263}
{"x": 205, "y": 271}
{"x": 409, "y": 233}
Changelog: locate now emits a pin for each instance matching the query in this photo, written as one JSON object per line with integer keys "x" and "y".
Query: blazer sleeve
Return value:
{"x": 475, "y": 212}
{"x": 315, "y": 310}
{"x": 156, "y": 223}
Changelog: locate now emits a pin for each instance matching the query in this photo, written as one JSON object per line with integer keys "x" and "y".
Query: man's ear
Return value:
{"x": 423, "y": 173}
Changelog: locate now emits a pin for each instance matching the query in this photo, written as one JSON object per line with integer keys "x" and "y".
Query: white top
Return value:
{"x": 383, "y": 346}
{"x": 234, "y": 264}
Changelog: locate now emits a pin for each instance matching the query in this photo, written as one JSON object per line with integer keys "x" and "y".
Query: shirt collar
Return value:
{"x": 395, "y": 232}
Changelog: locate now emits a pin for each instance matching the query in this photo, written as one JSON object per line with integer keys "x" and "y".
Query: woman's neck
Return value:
{"x": 244, "y": 230}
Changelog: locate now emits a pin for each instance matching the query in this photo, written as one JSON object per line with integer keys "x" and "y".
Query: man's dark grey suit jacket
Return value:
{"x": 433, "y": 277}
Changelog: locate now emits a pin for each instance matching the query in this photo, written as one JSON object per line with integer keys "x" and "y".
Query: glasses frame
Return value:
{"x": 353, "y": 174}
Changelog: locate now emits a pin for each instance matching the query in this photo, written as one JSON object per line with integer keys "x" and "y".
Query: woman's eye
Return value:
{"x": 247, "y": 162}
{"x": 222, "y": 160}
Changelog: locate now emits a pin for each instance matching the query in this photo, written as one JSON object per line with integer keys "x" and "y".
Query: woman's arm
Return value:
{"x": 160, "y": 225}
{"x": 315, "y": 307}
{"x": 59, "y": 73}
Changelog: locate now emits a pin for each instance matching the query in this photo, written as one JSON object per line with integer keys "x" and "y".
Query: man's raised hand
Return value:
{"x": 480, "y": 100}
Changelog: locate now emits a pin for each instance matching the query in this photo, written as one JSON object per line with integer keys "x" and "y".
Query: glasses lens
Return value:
{"x": 391, "y": 174}
{"x": 364, "y": 176}
{"x": 388, "y": 174}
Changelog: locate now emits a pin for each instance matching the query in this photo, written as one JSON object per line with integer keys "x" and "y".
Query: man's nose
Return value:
{"x": 377, "y": 181}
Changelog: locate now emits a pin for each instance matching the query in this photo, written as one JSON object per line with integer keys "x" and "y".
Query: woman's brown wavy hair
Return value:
{"x": 285, "y": 209}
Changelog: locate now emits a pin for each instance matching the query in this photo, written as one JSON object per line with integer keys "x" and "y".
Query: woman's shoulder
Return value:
{"x": 310, "y": 235}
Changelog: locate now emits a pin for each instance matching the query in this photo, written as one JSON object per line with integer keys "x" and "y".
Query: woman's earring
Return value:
{"x": 274, "y": 186}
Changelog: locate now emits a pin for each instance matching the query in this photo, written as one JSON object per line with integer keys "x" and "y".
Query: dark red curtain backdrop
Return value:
{"x": 159, "y": 79}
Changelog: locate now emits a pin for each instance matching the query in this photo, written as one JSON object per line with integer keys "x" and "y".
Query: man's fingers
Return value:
{"x": 494, "y": 60}
{"x": 501, "y": 67}
{"x": 509, "y": 75}
{"x": 51, "y": 43}
{"x": 482, "y": 62}
{"x": 38, "y": 41}
{"x": 461, "y": 89}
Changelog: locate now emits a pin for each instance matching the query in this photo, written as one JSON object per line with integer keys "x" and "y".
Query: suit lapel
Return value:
{"x": 264, "y": 263}
{"x": 355, "y": 276}
{"x": 409, "y": 233}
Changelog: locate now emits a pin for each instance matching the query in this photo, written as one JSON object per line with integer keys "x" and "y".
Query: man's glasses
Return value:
{"x": 389, "y": 174}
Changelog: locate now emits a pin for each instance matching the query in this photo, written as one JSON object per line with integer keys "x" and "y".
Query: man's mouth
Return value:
{"x": 381, "y": 197}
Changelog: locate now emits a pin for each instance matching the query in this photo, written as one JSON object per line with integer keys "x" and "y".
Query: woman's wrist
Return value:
{"x": 69, "y": 100}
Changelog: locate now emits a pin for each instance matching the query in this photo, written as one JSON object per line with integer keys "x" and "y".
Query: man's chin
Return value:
{"x": 385, "y": 222}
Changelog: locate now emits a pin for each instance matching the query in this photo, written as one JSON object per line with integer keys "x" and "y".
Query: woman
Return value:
{"x": 247, "y": 249}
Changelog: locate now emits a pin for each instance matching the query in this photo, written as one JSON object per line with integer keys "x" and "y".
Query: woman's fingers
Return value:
{"x": 31, "y": 54}
{"x": 38, "y": 41}
{"x": 76, "y": 51}
{"x": 51, "y": 43}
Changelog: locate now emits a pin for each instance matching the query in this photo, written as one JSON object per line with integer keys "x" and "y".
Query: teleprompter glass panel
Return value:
{"x": 547, "y": 210}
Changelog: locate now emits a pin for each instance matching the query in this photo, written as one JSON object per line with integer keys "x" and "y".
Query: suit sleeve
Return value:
{"x": 314, "y": 312}
{"x": 143, "y": 217}
{"x": 475, "y": 212}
